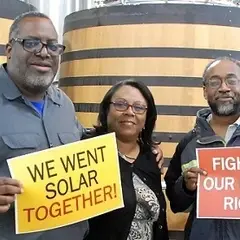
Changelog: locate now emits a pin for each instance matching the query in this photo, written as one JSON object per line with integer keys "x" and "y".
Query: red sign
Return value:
{"x": 218, "y": 194}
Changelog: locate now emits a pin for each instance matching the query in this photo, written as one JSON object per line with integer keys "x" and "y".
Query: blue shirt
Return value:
{"x": 39, "y": 106}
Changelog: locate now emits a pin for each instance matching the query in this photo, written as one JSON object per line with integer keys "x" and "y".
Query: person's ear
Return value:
{"x": 8, "y": 50}
{"x": 204, "y": 92}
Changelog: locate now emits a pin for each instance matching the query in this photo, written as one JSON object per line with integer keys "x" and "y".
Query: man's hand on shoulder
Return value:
{"x": 159, "y": 156}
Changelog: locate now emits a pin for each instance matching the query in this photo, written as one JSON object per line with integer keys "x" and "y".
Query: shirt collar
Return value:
{"x": 55, "y": 95}
{"x": 237, "y": 122}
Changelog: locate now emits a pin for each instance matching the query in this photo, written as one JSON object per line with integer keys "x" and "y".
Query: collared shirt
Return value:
{"x": 24, "y": 130}
{"x": 231, "y": 128}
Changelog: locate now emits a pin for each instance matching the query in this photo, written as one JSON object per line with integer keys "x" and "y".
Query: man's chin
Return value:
{"x": 223, "y": 109}
{"x": 227, "y": 111}
{"x": 38, "y": 88}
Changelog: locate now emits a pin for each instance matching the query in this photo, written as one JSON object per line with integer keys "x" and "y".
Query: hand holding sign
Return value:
{"x": 8, "y": 188}
{"x": 191, "y": 177}
{"x": 67, "y": 184}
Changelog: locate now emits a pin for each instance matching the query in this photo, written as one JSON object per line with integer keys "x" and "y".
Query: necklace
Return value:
{"x": 125, "y": 156}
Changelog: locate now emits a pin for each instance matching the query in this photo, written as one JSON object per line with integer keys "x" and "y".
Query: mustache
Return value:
{"x": 224, "y": 96}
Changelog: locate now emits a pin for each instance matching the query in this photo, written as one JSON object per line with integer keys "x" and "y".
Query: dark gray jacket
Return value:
{"x": 23, "y": 130}
{"x": 181, "y": 199}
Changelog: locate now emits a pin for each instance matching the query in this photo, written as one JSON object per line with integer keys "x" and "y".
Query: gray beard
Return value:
{"x": 227, "y": 109}
{"x": 38, "y": 83}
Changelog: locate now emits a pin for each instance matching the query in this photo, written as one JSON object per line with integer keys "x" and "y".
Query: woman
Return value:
{"x": 128, "y": 109}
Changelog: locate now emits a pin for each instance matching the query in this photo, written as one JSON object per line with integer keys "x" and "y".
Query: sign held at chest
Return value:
{"x": 67, "y": 184}
{"x": 222, "y": 184}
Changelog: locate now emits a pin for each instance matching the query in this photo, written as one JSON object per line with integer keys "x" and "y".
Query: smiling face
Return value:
{"x": 127, "y": 124}
{"x": 33, "y": 72}
{"x": 222, "y": 88}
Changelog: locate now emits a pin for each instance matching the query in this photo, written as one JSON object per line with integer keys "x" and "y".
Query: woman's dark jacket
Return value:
{"x": 116, "y": 225}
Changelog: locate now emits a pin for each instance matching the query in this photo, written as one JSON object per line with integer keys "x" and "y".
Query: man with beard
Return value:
{"x": 34, "y": 114}
{"x": 217, "y": 126}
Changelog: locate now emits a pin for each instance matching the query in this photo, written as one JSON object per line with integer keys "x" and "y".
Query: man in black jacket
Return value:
{"x": 216, "y": 126}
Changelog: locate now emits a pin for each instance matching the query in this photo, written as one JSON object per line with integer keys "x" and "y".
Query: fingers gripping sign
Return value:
{"x": 8, "y": 188}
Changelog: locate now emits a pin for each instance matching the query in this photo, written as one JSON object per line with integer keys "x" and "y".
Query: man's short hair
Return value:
{"x": 14, "y": 29}
{"x": 216, "y": 60}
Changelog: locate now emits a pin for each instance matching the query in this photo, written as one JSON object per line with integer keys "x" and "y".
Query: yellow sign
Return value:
{"x": 67, "y": 184}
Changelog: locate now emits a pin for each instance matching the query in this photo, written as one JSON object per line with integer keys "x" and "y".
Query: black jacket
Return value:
{"x": 116, "y": 225}
{"x": 202, "y": 136}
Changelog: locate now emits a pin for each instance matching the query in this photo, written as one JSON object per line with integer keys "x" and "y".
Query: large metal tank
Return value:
{"x": 165, "y": 45}
{"x": 8, "y": 11}
{"x": 57, "y": 10}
